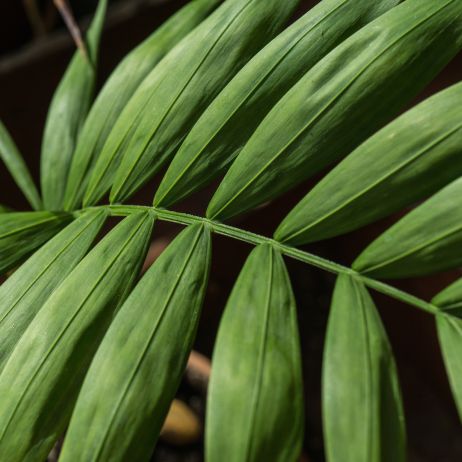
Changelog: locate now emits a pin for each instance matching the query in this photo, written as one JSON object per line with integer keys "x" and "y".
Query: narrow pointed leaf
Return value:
{"x": 362, "y": 408}
{"x": 120, "y": 87}
{"x": 11, "y": 157}
{"x": 23, "y": 232}
{"x": 449, "y": 327}
{"x": 138, "y": 367}
{"x": 230, "y": 120}
{"x": 413, "y": 157}
{"x": 450, "y": 338}
{"x": 255, "y": 403}
{"x": 42, "y": 377}
{"x": 425, "y": 241}
{"x": 177, "y": 91}
{"x": 24, "y": 293}
{"x": 66, "y": 115}
{"x": 343, "y": 100}
{"x": 450, "y": 299}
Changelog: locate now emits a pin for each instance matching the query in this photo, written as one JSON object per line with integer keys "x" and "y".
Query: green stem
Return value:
{"x": 256, "y": 239}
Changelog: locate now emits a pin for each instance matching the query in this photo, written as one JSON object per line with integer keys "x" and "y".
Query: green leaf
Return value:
{"x": 22, "y": 232}
{"x": 66, "y": 115}
{"x": 449, "y": 327}
{"x": 450, "y": 338}
{"x": 136, "y": 371}
{"x": 230, "y": 120}
{"x": 178, "y": 90}
{"x": 450, "y": 299}
{"x": 120, "y": 87}
{"x": 425, "y": 241}
{"x": 362, "y": 409}
{"x": 24, "y": 293}
{"x": 11, "y": 157}
{"x": 4, "y": 209}
{"x": 414, "y": 156}
{"x": 42, "y": 377}
{"x": 255, "y": 403}
{"x": 339, "y": 103}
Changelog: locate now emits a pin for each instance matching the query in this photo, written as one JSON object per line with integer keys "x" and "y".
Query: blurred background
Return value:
{"x": 35, "y": 48}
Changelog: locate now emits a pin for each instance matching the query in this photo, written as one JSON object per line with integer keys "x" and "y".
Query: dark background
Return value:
{"x": 33, "y": 56}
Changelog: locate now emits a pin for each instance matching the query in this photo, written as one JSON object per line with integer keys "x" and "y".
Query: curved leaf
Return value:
{"x": 425, "y": 241}
{"x": 15, "y": 164}
{"x": 66, "y": 115}
{"x": 120, "y": 87}
{"x": 42, "y": 377}
{"x": 450, "y": 299}
{"x": 233, "y": 116}
{"x": 24, "y": 293}
{"x": 339, "y": 103}
{"x": 255, "y": 403}
{"x": 414, "y": 156}
{"x": 136, "y": 371}
{"x": 450, "y": 338}
{"x": 177, "y": 91}
{"x": 362, "y": 409}
{"x": 22, "y": 232}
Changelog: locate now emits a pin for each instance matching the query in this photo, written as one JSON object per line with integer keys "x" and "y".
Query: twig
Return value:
{"x": 71, "y": 24}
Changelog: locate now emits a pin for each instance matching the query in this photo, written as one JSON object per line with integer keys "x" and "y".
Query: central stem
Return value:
{"x": 292, "y": 252}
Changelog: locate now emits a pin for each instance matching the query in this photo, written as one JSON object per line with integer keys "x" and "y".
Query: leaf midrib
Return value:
{"x": 398, "y": 168}
{"x": 413, "y": 250}
{"x": 145, "y": 349}
{"x": 28, "y": 227}
{"x": 261, "y": 359}
{"x": 367, "y": 372}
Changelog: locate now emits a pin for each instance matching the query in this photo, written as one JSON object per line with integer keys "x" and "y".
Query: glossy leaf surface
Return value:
{"x": 67, "y": 114}
{"x": 343, "y": 100}
{"x": 177, "y": 91}
{"x": 233, "y": 116}
{"x": 22, "y": 232}
{"x": 255, "y": 403}
{"x": 362, "y": 409}
{"x": 11, "y": 157}
{"x": 42, "y": 377}
{"x": 425, "y": 241}
{"x": 121, "y": 85}
{"x": 23, "y": 294}
{"x": 411, "y": 158}
{"x": 136, "y": 371}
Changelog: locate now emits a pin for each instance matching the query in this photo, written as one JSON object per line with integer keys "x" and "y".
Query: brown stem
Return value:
{"x": 68, "y": 17}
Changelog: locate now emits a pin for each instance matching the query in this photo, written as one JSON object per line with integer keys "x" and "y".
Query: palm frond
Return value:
{"x": 216, "y": 91}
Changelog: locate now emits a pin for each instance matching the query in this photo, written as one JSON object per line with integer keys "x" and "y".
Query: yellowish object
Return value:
{"x": 182, "y": 426}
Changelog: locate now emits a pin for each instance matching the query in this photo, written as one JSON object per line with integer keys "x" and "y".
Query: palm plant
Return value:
{"x": 225, "y": 88}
